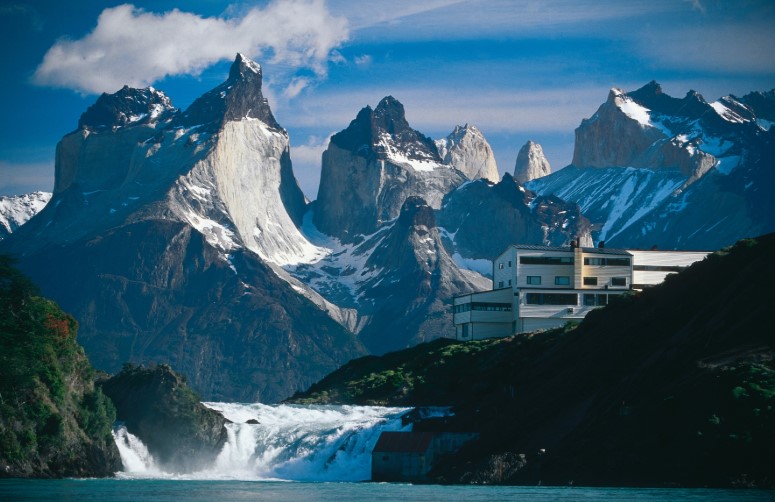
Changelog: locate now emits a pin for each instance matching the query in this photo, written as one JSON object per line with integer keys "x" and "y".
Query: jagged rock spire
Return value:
{"x": 238, "y": 98}
{"x": 531, "y": 163}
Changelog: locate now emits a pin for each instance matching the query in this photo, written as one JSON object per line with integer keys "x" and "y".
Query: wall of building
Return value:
{"x": 399, "y": 466}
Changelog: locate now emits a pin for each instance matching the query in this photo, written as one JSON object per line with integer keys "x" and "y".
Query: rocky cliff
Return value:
{"x": 372, "y": 167}
{"x": 164, "y": 237}
{"x": 467, "y": 150}
{"x": 531, "y": 163}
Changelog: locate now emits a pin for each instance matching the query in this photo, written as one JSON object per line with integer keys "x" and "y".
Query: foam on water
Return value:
{"x": 290, "y": 442}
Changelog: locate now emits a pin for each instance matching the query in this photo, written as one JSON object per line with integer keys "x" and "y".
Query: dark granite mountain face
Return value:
{"x": 371, "y": 167}
{"x": 237, "y": 98}
{"x": 484, "y": 219}
{"x": 408, "y": 302}
{"x": 126, "y": 106}
{"x": 160, "y": 239}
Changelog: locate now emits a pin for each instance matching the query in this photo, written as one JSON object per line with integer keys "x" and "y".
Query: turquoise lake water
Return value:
{"x": 134, "y": 490}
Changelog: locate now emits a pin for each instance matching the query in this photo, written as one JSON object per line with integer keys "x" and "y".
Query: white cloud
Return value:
{"x": 363, "y": 60}
{"x": 135, "y": 47}
{"x": 296, "y": 85}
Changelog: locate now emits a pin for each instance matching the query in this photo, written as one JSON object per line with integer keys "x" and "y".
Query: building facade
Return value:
{"x": 540, "y": 287}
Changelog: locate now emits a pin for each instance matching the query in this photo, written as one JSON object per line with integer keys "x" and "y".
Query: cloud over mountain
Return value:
{"x": 132, "y": 46}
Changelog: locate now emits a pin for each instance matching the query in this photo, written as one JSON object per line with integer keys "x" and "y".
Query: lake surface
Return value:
{"x": 134, "y": 490}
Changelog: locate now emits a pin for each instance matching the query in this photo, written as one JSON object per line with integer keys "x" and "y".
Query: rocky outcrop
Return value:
{"x": 467, "y": 150}
{"x": 531, "y": 163}
{"x": 164, "y": 238}
{"x": 53, "y": 422}
{"x": 16, "y": 210}
{"x": 372, "y": 167}
{"x": 157, "y": 405}
{"x": 480, "y": 219}
{"x": 408, "y": 302}
{"x": 127, "y": 106}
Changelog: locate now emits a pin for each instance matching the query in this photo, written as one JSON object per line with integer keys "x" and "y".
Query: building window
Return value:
{"x": 463, "y": 307}
{"x": 551, "y": 299}
{"x": 591, "y": 300}
{"x": 509, "y": 263}
{"x": 491, "y": 307}
{"x": 618, "y": 281}
{"x": 590, "y": 281}
{"x": 611, "y": 262}
{"x": 500, "y": 266}
{"x": 657, "y": 268}
{"x": 534, "y": 280}
{"x": 465, "y": 331}
{"x": 500, "y": 284}
{"x": 546, "y": 260}
{"x": 562, "y": 280}
{"x": 509, "y": 282}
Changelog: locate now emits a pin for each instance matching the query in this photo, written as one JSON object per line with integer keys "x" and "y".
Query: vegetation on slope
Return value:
{"x": 672, "y": 386}
{"x": 53, "y": 422}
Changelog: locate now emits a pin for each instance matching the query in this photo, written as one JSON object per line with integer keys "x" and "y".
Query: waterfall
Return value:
{"x": 289, "y": 442}
{"x": 134, "y": 454}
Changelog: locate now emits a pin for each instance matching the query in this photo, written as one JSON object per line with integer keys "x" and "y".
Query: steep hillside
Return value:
{"x": 53, "y": 422}
{"x": 672, "y": 386}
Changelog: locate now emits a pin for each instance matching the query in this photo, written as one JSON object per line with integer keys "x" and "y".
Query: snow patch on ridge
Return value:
{"x": 16, "y": 210}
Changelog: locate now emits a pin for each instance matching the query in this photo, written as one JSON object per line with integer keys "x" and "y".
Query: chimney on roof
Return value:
{"x": 601, "y": 244}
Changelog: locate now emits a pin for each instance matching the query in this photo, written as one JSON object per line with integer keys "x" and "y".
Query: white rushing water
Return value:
{"x": 290, "y": 442}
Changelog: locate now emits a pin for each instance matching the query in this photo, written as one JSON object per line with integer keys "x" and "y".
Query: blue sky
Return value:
{"x": 518, "y": 70}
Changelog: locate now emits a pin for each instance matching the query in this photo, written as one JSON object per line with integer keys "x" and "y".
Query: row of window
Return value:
{"x": 590, "y": 300}
{"x": 481, "y": 306}
{"x": 657, "y": 268}
{"x": 564, "y": 280}
{"x": 500, "y": 265}
{"x": 615, "y": 281}
{"x": 546, "y": 260}
{"x": 559, "y": 280}
{"x": 610, "y": 262}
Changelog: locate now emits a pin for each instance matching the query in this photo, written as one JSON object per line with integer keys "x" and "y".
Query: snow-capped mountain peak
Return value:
{"x": 16, "y": 210}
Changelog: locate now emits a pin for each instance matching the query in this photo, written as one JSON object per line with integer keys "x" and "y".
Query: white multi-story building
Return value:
{"x": 540, "y": 287}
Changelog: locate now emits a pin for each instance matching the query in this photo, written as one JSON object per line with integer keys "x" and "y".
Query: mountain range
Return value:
{"x": 182, "y": 237}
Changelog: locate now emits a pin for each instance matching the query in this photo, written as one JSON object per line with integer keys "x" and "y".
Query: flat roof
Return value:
{"x": 529, "y": 247}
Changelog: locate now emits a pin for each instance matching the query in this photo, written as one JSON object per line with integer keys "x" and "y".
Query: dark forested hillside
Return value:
{"x": 53, "y": 422}
{"x": 675, "y": 385}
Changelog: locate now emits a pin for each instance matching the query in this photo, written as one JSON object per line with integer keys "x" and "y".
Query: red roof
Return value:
{"x": 417, "y": 442}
